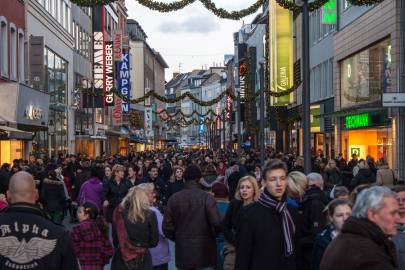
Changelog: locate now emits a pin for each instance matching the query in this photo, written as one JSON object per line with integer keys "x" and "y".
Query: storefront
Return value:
{"x": 138, "y": 144}
{"x": 13, "y": 144}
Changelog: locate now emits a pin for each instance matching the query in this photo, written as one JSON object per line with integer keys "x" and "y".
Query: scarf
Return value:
{"x": 129, "y": 253}
{"x": 288, "y": 225}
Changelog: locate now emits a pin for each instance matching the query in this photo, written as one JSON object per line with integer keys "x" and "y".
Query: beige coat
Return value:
{"x": 385, "y": 177}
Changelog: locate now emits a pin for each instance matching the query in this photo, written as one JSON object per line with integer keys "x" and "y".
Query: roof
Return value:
{"x": 176, "y": 81}
{"x": 201, "y": 72}
{"x": 160, "y": 59}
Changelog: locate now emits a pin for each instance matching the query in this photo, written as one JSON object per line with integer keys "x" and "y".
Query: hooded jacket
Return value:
{"x": 360, "y": 245}
{"x": 52, "y": 194}
{"x": 209, "y": 179}
{"x": 364, "y": 176}
{"x": 93, "y": 249}
{"x": 41, "y": 243}
{"x": 312, "y": 221}
{"x": 91, "y": 191}
{"x": 233, "y": 181}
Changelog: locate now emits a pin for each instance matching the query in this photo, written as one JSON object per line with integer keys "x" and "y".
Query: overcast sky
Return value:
{"x": 193, "y": 36}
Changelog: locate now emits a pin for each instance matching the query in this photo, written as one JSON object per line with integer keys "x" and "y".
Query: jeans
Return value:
{"x": 207, "y": 268}
{"x": 164, "y": 266}
{"x": 55, "y": 215}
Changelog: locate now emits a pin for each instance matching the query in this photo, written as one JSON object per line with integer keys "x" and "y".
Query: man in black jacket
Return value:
{"x": 313, "y": 218}
{"x": 29, "y": 239}
{"x": 268, "y": 234}
{"x": 164, "y": 172}
{"x": 72, "y": 167}
{"x": 158, "y": 182}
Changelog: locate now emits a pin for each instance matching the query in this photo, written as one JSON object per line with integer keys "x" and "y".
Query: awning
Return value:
{"x": 351, "y": 111}
{"x": 116, "y": 133}
{"x": 89, "y": 137}
{"x": 10, "y": 133}
{"x": 140, "y": 140}
{"x": 167, "y": 140}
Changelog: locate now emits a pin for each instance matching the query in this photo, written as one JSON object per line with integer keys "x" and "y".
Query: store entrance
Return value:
{"x": 317, "y": 144}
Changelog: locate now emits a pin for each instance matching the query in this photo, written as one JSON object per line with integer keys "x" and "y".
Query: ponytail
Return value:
{"x": 102, "y": 226}
{"x": 92, "y": 210}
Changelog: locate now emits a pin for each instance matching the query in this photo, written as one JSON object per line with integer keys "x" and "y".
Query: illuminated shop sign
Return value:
{"x": 228, "y": 105}
{"x": 329, "y": 11}
{"x": 98, "y": 63}
{"x": 360, "y": 120}
{"x": 124, "y": 80}
{"x": 349, "y": 70}
{"x": 242, "y": 76}
{"x": 109, "y": 73}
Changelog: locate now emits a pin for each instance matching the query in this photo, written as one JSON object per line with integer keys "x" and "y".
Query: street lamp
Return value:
{"x": 306, "y": 102}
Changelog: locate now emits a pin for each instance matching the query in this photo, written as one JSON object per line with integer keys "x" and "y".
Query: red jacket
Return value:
{"x": 222, "y": 171}
{"x": 69, "y": 189}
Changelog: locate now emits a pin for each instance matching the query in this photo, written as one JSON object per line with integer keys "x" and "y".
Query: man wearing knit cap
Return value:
{"x": 193, "y": 220}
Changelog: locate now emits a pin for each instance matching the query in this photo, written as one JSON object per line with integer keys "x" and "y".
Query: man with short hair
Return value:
{"x": 353, "y": 162}
{"x": 30, "y": 239}
{"x": 268, "y": 234}
{"x": 160, "y": 186}
{"x": 145, "y": 168}
{"x": 364, "y": 239}
{"x": 241, "y": 165}
{"x": 164, "y": 172}
{"x": 192, "y": 220}
{"x": 312, "y": 216}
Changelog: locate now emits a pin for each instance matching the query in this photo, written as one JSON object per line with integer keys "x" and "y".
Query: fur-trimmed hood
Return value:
{"x": 53, "y": 181}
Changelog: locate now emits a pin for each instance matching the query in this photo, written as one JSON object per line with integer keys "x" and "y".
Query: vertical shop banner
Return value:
{"x": 98, "y": 56}
{"x": 329, "y": 11}
{"x": 281, "y": 52}
{"x": 387, "y": 69}
{"x": 116, "y": 114}
{"x": 117, "y": 39}
{"x": 108, "y": 73}
{"x": 36, "y": 57}
{"x": 228, "y": 106}
{"x": 202, "y": 127}
{"x": 148, "y": 122}
{"x": 218, "y": 124}
{"x": 124, "y": 80}
{"x": 153, "y": 110}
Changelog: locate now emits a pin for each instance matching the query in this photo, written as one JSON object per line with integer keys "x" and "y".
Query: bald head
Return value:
{"x": 22, "y": 188}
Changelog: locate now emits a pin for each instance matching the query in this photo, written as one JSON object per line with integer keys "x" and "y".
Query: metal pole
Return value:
{"x": 402, "y": 85}
{"x": 199, "y": 140}
{"x": 306, "y": 129}
{"x": 261, "y": 135}
{"x": 238, "y": 123}
{"x": 230, "y": 128}
{"x": 223, "y": 132}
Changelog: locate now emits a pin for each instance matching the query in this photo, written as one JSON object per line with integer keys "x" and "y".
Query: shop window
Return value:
{"x": 366, "y": 75}
{"x": 4, "y": 47}
{"x": 21, "y": 55}
{"x": 13, "y": 52}
{"x": 10, "y": 150}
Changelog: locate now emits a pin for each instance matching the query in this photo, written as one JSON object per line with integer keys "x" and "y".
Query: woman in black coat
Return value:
{"x": 347, "y": 177}
{"x": 233, "y": 181}
{"x": 53, "y": 196}
{"x": 176, "y": 182}
{"x": 141, "y": 227}
{"x": 299, "y": 165}
{"x": 114, "y": 190}
{"x": 364, "y": 176}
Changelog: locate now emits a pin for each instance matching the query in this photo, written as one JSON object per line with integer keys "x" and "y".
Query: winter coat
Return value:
{"x": 228, "y": 227}
{"x": 385, "y": 177}
{"x": 80, "y": 179}
{"x": 209, "y": 179}
{"x": 42, "y": 243}
{"x": 341, "y": 164}
{"x": 373, "y": 168}
{"x": 353, "y": 163}
{"x": 331, "y": 178}
{"x": 364, "y": 176}
{"x": 260, "y": 239}
{"x": 52, "y": 195}
{"x": 321, "y": 243}
{"x": 164, "y": 174}
{"x": 4, "y": 181}
{"x": 176, "y": 186}
{"x": 160, "y": 187}
{"x": 161, "y": 253}
{"x": 242, "y": 169}
{"x": 315, "y": 168}
{"x": 399, "y": 242}
{"x": 297, "y": 169}
{"x": 250, "y": 168}
{"x": 114, "y": 193}
{"x": 193, "y": 220}
{"x": 93, "y": 249}
{"x": 312, "y": 221}
{"x": 364, "y": 243}
{"x": 233, "y": 182}
{"x": 68, "y": 188}
{"x": 227, "y": 174}
{"x": 91, "y": 191}
{"x": 222, "y": 171}
{"x": 347, "y": 177}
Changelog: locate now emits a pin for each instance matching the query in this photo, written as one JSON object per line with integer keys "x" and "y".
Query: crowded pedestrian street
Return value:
{"x": 202, "y": 134}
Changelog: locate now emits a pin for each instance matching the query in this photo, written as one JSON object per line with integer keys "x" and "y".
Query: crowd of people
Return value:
{"x": 220, "y": 210}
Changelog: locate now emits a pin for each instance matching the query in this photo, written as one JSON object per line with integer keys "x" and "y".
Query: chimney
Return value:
{"x": 175, "y": 74}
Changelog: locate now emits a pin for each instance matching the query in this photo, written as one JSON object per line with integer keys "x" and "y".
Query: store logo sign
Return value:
{"x": 349, "y": 70}
{"x": 329, "y": 12}
{"x": 109, "y": 73}
{"x": 124, "y": 80}
{"x": 32, "y": 113}
{"x": 355, "y": 151}
{"x": 356, "y": 121}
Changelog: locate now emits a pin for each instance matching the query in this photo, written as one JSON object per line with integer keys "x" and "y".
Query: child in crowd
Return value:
{"x": 91, "y": 238}
{"x": 3, "y": 201}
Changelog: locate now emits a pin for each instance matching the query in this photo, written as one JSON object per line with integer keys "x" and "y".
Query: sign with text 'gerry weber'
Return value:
{"x": 109, "y": 73}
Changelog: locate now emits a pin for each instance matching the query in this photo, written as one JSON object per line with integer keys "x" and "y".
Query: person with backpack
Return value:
{"x": 364, "y": 176}
{"x": 91, "y": 238}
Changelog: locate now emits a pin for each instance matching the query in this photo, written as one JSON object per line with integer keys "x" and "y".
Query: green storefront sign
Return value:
{"x": 365, "y": 120}
{"x": 349, "y": 70}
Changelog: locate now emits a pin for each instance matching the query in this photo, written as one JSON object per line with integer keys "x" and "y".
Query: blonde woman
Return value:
{"x": 385, "y": 176}
{"x": 176, "y": 182}
{"x": 246, "y": 193}
{"x": 297, "y": 184}
{"x": 161, "y": 253}
{"x": 364, "y": 176}
{"x": 299, "y": 165}
{"x": 114, "y": 190}
{"x": 331, "y": 177}
{"x": 135, "y": 223}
